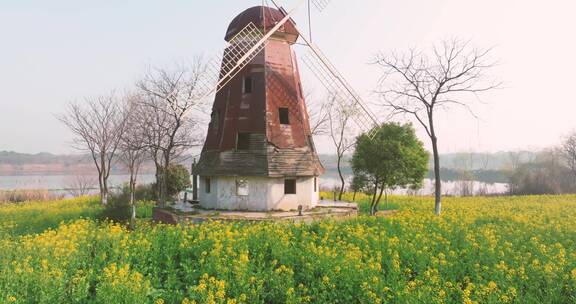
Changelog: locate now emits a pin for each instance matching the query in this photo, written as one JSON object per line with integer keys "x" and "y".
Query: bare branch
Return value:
{"x": 98, "y": 125}
{"x": 168, "y": 114}
{"x": 416, "y": 85}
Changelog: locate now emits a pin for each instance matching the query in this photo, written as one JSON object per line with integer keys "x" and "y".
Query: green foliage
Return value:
{"x": 359, "y": 183}
{"x": 178, "y": 179}
{"x": 117, "y": 210}
{"x": 393, "y": 158}
{"x": 142, "y": 193}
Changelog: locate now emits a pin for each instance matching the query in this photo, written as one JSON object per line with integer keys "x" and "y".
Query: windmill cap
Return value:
{"x": 264, "y": 18}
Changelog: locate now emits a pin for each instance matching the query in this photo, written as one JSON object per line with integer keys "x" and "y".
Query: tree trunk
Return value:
{"x": 342, "y": 183}
{"x": 378, "y": 200}
{"x": 437, "y": 180}
{"x": 372, "y": 212}
{"x": 132, "y": 202}
{"x": 159, "y": 182}
{"x": 354, "y": 196}
{"x": 103, "y": 194}
{"x": 105, "y": 189}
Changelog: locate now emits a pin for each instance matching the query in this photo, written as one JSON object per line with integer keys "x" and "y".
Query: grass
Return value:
{"x": 37, "y": 216}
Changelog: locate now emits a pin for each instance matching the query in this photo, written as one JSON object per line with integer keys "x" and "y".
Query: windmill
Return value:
{"x": 249, "y": 41}
{"x": 259, "y": 152}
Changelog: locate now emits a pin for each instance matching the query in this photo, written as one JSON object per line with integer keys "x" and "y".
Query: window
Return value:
{"x": 243, "y": 141}
{"x": 284, "y": 117}
{"x": 315, "y": 184}
{"x": 290, "y": 186}
{"x": 242, "y": 187}
{"x": 247, "y": 88}
{"x": 207, "y": 185}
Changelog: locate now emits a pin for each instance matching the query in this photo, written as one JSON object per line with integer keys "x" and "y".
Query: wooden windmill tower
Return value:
{"x": 259, "y": 153}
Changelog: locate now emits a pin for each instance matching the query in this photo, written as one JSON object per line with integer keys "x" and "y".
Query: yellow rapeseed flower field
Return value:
{"x": 481, "y": 250}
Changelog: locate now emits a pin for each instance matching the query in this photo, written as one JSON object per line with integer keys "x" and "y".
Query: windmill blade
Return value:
{"x": 243, "y": 47}
{"x": 337, "y": 85}
{"x": 320, "y": 4}
{"x": 342, "y": 93}
{"x": 226, "y": 64}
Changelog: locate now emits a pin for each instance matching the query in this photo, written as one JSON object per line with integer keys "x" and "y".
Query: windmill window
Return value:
{"x": 207, "y": 185}
{"x": 247, "y": 88}
{"x": 290, "y": 186}
{"x": 242, "y": 187}
{"x": 243, "y": 141}
{"x": 284, "y": 116}
{"x": 315, "y": 184}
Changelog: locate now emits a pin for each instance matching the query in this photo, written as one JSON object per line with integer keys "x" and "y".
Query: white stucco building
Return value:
{"x": 258, "y": 193}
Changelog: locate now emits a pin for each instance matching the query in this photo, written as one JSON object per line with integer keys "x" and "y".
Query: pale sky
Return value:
{"x": 53, "y": 52}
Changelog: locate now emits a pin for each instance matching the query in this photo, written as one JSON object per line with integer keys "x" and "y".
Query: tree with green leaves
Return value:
{"x": 393, "y": 158}
{"x": 359, "y": 184}
{"x": 177, "y": 178}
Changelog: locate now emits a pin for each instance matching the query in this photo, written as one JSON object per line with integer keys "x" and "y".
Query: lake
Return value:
{"x": 62, "y": 182}
{"x": 59, "y": 183}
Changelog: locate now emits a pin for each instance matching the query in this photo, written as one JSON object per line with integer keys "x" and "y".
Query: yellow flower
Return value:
{"x": 220, "y": 294}
{"x": 492, "y": 285}
{"x": 242, "y": 297}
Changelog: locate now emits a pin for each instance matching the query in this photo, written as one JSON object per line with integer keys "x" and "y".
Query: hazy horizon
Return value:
{"x": 62, "y": 51}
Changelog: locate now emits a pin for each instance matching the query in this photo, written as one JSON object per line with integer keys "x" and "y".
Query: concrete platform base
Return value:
{"x": 187, "y": 213}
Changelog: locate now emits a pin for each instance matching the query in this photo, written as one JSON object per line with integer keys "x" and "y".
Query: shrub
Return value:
{"x": 119, "y": 209}
{"x": 542, "y": 177}
{"x": 178, "y": 179}
{"x": 37, "y": 195}
{"x": 142, "y": 193}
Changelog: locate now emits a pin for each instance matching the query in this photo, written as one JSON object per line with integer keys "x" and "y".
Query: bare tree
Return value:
{"x": 464, "y": 165}
{"x": 169, "y": 112}
{"x": 568, "y": 153}
{"x": 132, "y": 149}
{"x": 98, "y": 125}
{"x": 319, "y": 119}
{"x": 418, "y": 85}
{"x": 80, "y": 184}
{"x": 514, "y": 160}
{"x": 339, "y": 129}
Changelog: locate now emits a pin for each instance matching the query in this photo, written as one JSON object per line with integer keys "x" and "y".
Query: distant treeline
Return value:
{"x": 456, "y": 167}
{"x": 484, "y": 167}
{"x": 485, "y": 176}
